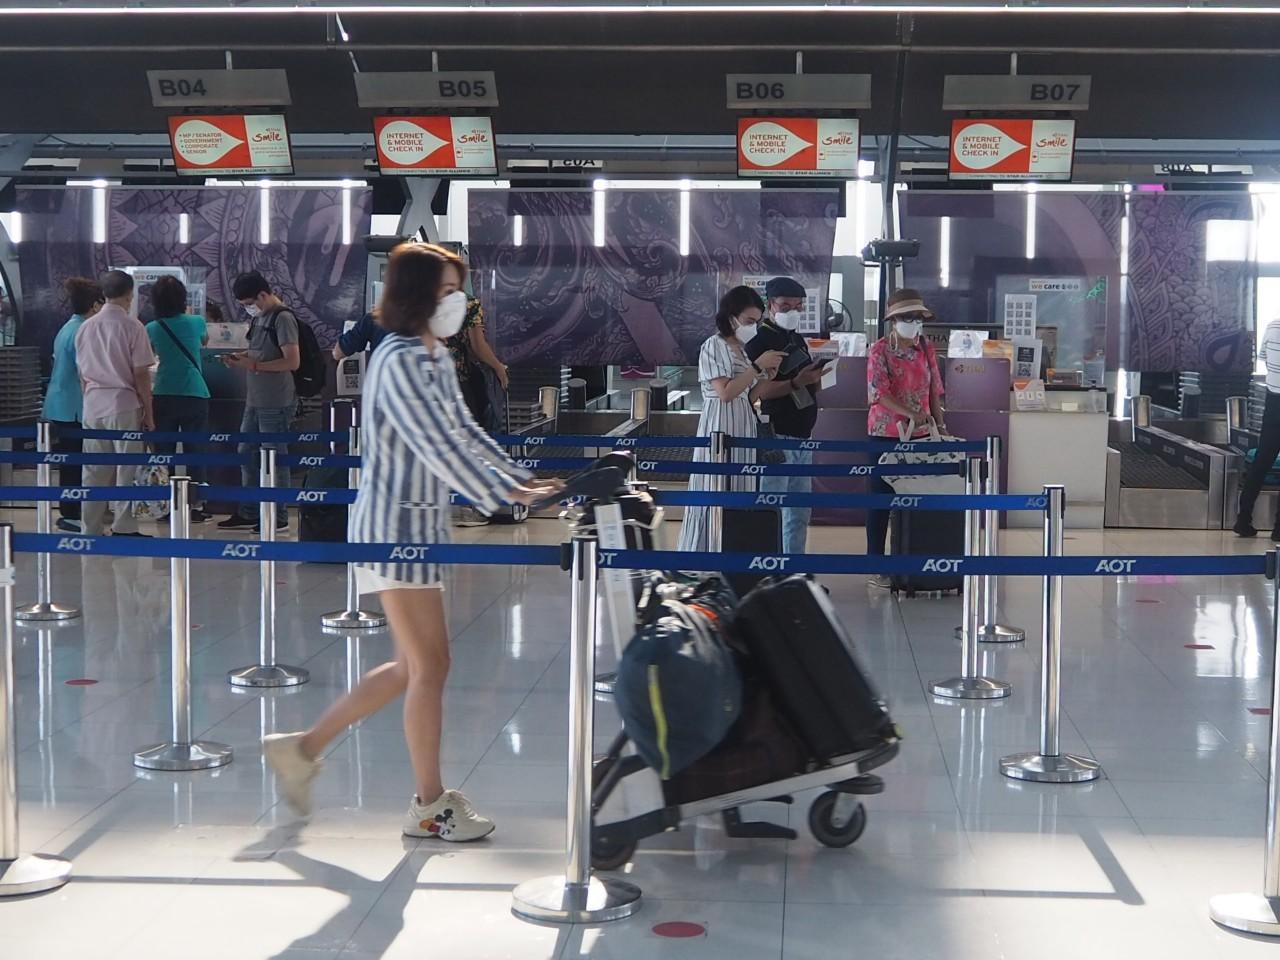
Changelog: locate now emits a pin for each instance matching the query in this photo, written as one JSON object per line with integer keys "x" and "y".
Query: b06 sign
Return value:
{"x": 435, "y": 146}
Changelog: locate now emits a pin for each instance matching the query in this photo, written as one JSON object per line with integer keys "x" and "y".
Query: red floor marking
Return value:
{"x": 1260, "y": 711}
{"x": 1198, "y": 646}
{"x": 196, "y": 626}
{"x": 680, "y": 930}
{"x": 82, "y": 682}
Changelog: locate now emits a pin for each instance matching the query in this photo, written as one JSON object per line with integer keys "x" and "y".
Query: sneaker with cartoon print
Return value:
{"x": 450, "y": 818}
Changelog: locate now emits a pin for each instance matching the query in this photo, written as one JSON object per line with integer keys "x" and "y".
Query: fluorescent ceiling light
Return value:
{"x": 184, "y": 228}
{"x": 346, "y": 212}
{"x": 1031, "y": 222}
{"x": 599, "y": 189}
{"x": 474, "y": 7}
{"x": 684, "y": 218}
{"x": 944, "y": 251}
{"x": 100, "y": 212}
{"x": 264, "y": 213}
{"x": 12, "y": 223}
{"x": 517, "y": 230}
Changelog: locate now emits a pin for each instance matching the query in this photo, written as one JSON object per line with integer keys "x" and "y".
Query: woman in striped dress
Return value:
{"x": 728, "y": 380}
{"x": 419, "y": 440}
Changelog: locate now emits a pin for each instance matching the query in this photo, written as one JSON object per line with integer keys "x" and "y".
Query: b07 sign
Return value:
{"x": 435, "y": 146}
{"x": 797, "y": 147}
{"x": 995, "y": 149}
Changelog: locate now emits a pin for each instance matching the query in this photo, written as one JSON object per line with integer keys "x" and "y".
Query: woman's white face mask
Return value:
{"x": 449, "y": 316}
{"x": 908, "y": 329}
{"x": 745, "y": 332}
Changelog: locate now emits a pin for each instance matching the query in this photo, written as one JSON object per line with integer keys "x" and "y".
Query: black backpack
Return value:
{"x": 308, "y": 379}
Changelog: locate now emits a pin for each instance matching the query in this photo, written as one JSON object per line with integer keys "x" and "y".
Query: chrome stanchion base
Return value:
{"x": 555, "y": 900}
{"x": 999, "y": 633}
{"x": 46, "y": 611}
{"x": 970, "y": 688}
{"x": 604, "y": 684}
{"x": 261, "y": 675}
{"x": 1247, "y": 912}
{"x": 353, "y": 620}
{"x": 1064, "y": 768}
{"x": 200, "y": 755}
{"x": 36, "y": 873}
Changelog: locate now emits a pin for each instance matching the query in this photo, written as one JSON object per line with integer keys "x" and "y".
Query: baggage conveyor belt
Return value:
{"x": 1163, "y": 481}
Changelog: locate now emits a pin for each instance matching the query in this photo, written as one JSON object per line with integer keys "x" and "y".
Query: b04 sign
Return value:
{"x": 232, "y": 145}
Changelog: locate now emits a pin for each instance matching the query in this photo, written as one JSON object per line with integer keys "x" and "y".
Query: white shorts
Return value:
{"x": 369, "y": 582}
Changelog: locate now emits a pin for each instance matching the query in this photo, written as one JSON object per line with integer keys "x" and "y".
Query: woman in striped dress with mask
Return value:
{"x": 728, "y": 380}
{"x": 419, "y": 441}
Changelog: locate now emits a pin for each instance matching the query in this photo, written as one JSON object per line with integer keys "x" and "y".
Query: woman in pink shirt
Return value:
{"x": 903, "y": 386}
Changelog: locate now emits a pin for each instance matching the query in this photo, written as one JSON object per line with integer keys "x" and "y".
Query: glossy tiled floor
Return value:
{"x": 957, "y": 862}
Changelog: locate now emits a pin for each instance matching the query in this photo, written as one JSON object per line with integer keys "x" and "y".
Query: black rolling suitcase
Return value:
{"x": 749, "y": 530}
{"x": 799, "y": 647}
{"x": 324, "y": 523}
{"x": 929, "y": 533}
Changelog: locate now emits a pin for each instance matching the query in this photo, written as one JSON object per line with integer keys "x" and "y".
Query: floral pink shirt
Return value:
{"x": 905, "y": 373}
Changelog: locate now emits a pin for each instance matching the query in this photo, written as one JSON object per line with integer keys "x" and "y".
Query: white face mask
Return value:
{"x": 745, "y": 332}
{"x": 788, "y": 319}
{"x": 908, "y": 329}
{"x": 253, "y": 310}
{"x": 449, "y": 316}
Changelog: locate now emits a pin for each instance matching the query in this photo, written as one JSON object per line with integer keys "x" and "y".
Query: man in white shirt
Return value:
{"x": 1268, "y": 440}
{"x": 114, "y": 357}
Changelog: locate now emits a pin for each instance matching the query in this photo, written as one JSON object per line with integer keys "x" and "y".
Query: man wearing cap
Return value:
{"x": 789, "y": 404}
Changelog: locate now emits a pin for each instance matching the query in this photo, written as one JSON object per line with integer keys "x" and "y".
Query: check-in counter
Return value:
{"x": 977, "y": 403}
{"x": 1063, "y": 446}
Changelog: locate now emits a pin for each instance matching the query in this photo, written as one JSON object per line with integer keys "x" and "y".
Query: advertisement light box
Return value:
{"x": 240, "y": 145}
{"x": 992, "y": 149}
{"x": 435, "y": 146}
{"x": 797, "y": 147}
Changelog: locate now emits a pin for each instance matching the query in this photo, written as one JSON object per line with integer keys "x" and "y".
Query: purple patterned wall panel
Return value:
{"x": 558, "y": 298}
{"x": 1185, "y": 312}
{"x": 306, "y": 262}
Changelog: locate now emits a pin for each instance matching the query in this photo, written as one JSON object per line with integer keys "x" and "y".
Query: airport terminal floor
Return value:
{"x": 1165, "y": 682}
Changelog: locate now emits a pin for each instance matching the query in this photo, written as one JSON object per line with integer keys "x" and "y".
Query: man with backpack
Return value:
{"x": 271, "y": 395}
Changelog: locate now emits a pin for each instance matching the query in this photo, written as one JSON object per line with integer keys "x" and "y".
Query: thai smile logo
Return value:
{"x": 200, "y": 142}
{"x": 981, "y": 146}
{"x": 768, "y": 144}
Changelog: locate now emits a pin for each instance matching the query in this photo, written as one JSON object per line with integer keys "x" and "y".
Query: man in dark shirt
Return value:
{"x": 365, "y": 335}
{"x": 791, "y": 408}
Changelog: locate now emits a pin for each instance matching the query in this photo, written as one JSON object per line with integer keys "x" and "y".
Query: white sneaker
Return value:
{"x": 294, "y": 770}
{"x": 469, "y": 517}
{"x": 880, "y": 582}
{"x": 449, "y": 818}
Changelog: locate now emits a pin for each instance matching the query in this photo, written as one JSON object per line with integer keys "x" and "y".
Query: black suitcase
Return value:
{"x": 750, "y": 530}
{"x": 324, "y": 523}
{"x": 799, "y": 647}
{"x": 930, "y": 533}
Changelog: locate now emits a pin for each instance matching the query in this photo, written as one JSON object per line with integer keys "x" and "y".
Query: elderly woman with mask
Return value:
{"x": 904, "y": 388}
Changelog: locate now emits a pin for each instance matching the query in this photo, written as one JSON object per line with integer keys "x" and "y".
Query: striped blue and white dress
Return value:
{"x": 419, "y": 440}
{"x": 736, "y": 418}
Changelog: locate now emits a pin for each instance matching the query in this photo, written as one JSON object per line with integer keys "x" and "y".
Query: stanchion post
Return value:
{"x": 991, "y": 629}
{"x": 36, "y": 873}
{"x": 267, "y": 672}
{"x": 1050, "y": 764}
{"x": 352, "y": 617}
{"x": 969, "y": 685}
{"x": 1253, "y": 912}
{"x": 719, "y": 483}
{"x": 577, "y": 896}
{"x": 181, "y": 752}
{"x": 975, "y": 546}
{"x": 44, "y": 608}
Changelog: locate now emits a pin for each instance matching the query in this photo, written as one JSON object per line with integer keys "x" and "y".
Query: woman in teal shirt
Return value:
{"x": 63, "y": 400}
{"x": 181, "y": 396}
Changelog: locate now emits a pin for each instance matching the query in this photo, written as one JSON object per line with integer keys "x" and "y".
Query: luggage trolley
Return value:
{"x": 626, "y": 519}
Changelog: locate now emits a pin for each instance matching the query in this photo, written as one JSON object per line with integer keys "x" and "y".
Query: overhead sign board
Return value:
{"x": 435, "y": 146}
{"x": 798, "y": 91}
{"x": 1000, "y": 92}
{"x": 254, "y": 145}
{"x": 219, "y": 88}
{"x": 409, "y": 90}
{"x": 797, "y": 147}
{"x": 993, "y": 149}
